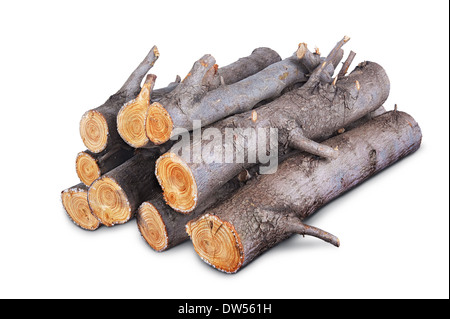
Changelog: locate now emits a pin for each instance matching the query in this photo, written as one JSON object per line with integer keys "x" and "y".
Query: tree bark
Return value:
{"x": 346, "y": 64}
{"x": 132, "y": 117}
{"x": 258, "y": 60}
{"x": 115, "y": 197}
{"x": 90, "y": 166}
{"x": 271, "y": 208}
{"x": 302, "y": 117}
{"x": 193, "y": 101}
{"x": 75, "y": 203}
{"x": 158, "y": 94}
{"x": 163, "y": 228}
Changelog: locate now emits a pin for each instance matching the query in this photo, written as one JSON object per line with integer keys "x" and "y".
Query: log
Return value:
{"x": 132, "y": 117}
{"x": 90, "y": 166}
{"x": 98, "y": 126}
{"x": 273, "y": 207}
{"x": 163, "y": 228}
{"x": 258, "y": 60}
{"x": 302, "y": 118}
{"x": 115, "y": 197}
{"x": 192, "y": 101}
{"x": 75, "y": 203}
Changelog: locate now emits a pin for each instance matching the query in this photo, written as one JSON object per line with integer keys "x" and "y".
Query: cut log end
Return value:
{"x": 152, "y": 227}
{"x": 75, "y": 202}
{"x": 87, "y": 168}
{"x": 177, "y": 182}
{"x": 216, "y": 242}
{"x": 94, "y": 131}
{"x": 131, "y": 123}
{"x": 158, "y": 124}
{"x": 131, "y": 117}
{"x": 302, "y": 49}
{"x": 109, "y": 202}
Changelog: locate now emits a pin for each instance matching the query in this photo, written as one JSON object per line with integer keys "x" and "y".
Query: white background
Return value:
{"x": 59, "y": 59}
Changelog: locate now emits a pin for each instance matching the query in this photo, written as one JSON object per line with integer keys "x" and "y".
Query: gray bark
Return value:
{"x": 271, "y": 208}
{"x": 193, "y": 100}
{"x": 303, "y": 117}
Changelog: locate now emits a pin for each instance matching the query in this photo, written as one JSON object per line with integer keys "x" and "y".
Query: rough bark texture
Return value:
{"x": 169, "y": 228}
{"x": 272, "y": 207}
{"x": 235, "y": 98}
{"x": 311, "y": 60}
{"x": 303, "y": 118}
{"x": 259, "y": 59}
{"x": 346, "y": 64}
{"x": 115, "y": 197}
{"x": 90, "y": 166}
{"x": 361, "y": 121}
{"x": 158, "y": 94}
{"x": 108, "y": 111}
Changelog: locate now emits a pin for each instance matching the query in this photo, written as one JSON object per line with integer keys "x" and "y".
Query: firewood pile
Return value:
{"x": 235, "y": 158}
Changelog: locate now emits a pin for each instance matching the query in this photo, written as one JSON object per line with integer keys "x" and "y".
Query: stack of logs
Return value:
{"x": 333, "y": 133}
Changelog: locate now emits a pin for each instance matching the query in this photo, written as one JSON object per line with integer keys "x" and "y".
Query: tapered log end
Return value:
{"x": 94, "y": 131}
{"x": 131, "y": 124}
{"x": 87, "y": 168}
{"x": 302, "y": 49}
{"x": 152, "y": 227}
{"x": 158, "y": 124}
{"x": 177, "y": 182}
{"x": 216, "y": 242}
{"x": 75, "y": 202}
{"x": 155, "y": 53}
{"x": 109, "y": 202}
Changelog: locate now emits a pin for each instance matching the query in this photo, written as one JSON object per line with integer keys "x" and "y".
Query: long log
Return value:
{"x": 163, "y": 228}
{"x": 272, "y": 208}
{"x": 90, "y": 166}
{"x": 75, "y": 203}
{"x": 302, "y": 118}
{"x": 192, "y": 101}
{"x": 114, "y": 198}
{"x": 132, "y": 116}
